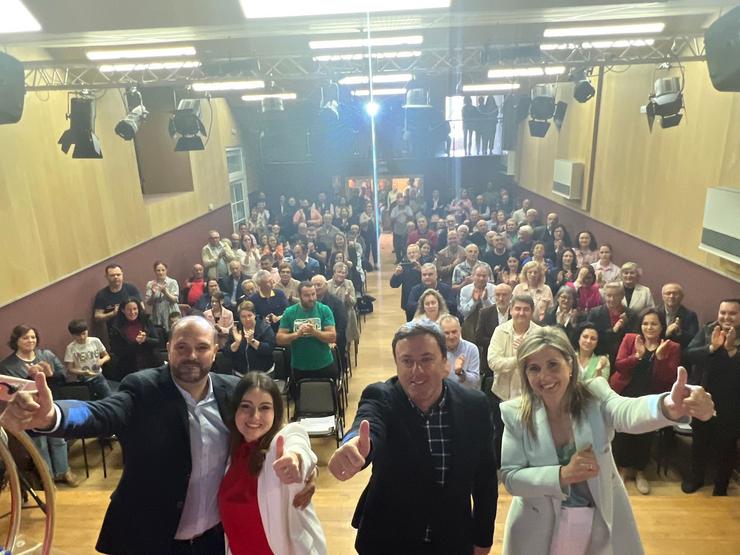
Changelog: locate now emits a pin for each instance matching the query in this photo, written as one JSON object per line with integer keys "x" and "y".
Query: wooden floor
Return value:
{"x": 669, "y": 521}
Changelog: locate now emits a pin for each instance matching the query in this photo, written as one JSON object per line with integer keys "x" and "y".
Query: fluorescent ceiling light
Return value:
{"x": 260, "y": 97}
{"x": 140, "y": 53}
{"x": 599, "y": 45}
{"x": 228, "y": 86}
{"x": 604, "y": 30}
{"x": 381, "y": 78}
{"x": 156, "y": 66}
{"x": 379, "y": 92}
{"x": 365, "y": 43}
{"x": 536, "y": 71}
{"x": 16, "y": 18}
{"x": 364, "y": 56}
{"x": 491, "y": 87}
{"x": 255, "y": 9}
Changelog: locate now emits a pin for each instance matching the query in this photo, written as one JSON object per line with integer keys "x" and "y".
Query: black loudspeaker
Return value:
{"x": 12, "y": 89}
{"x": 559, "y": 115}
{"x": 722, "y": 41}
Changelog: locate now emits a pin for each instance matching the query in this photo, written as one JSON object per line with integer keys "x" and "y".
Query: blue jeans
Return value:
{"x": 98, "y": 387}
{"x": 54, "y": 452}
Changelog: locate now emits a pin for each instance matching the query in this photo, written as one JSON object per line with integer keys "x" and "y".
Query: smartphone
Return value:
{"x": 10, "y": 385}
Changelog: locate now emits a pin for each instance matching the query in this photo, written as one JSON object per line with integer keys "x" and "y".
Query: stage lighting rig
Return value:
{"x": 541, "y": 110}
{"x": 129, "y": 126}
{"x": 81, "y": 132}
{"x": 666, "y": 101}
{"x": 186, "y": 123}
{"x": 583, "y": 91}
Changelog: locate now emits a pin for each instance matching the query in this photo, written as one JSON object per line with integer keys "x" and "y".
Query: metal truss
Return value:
{"x": 45, "y": 75}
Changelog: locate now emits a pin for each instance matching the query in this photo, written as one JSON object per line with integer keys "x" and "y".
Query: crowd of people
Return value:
{"x": 523, "y": 351}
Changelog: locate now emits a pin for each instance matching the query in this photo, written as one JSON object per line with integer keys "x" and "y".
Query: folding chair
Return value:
{"x": 317, "y": 408}
{"x": 282, "y": 373}
{"x": 80, "y": 392}
{"x": 666, "y": 438}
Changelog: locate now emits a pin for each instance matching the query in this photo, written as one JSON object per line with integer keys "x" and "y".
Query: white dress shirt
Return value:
{"x": 209, "y": 451}
{"x": 470, "y": 368}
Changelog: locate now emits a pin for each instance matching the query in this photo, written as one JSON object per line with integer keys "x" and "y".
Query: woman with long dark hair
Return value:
{"x": 133, "y": 339}
{"x": 269, "y": 465}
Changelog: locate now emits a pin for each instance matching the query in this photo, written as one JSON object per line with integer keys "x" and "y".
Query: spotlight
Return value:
{"x": 186, "y": 123}
{"x": 129, "y": 126}
{"x": 81, "y": 132}
{"x": 583, "y": 90}
{"x": 666, "y": 102}
{"x": 541, "y": 109}
{"x": 372, "y": 109}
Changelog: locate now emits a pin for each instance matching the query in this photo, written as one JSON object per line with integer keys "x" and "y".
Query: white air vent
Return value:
{"x": 510, "y": 162}
{"x": 720, "y": 232}
{"x": 567, "y": 180}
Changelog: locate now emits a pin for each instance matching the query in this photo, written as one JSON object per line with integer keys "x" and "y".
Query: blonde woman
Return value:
{"x": 431, "y": 307}
{"x": 636, "y": 296}
{"x": 556, "y": 457}
{"x": 532, "y": 283}
{"x": 343, "y": 289}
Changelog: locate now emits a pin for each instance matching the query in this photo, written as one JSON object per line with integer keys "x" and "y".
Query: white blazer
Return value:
{"x": 289, "y": 531}
{"x": 531, "y": 472}
{"x": 642, "y": 297}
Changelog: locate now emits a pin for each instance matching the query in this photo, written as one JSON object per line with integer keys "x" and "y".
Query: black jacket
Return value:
{"x": 149, "y": 416}
{"x": 689, "y": 326}
{"x": 340, "y": 315}
{"x": 609, "y": 341}
{"x": 402, "y": 496}
{"x": 130, "y": 356}
{"x": 406, "y": 281}
{"x": 246, "y": 358}
{"x": 487, "y": 324}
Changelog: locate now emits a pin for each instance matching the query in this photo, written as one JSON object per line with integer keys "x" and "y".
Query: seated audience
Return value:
{"x": 303, "y": 266}
{"x": 590, "y": 365}
{"x": 307, "y": 214}
{"x": 479, "y": 294}
{"x": 586, "y": 253}
{"x": 84, "y": 358}
{"x": 682, "y": 323}
{"x": 606, "y": 270}
{"x": 556, "y": 458}
{"x": 520, "y": 214}
{"x": 267, "y": 263}
{"x": 538, "y": 255}
{"x": 204, "y": 303}
{"x": 422, "y": 231}
{"x": 589, "y": 294}
{"x": 287, "y": 284}
{"x": 429, "y": 281}
{"x": 406, "y": 275}
{"x": 522, "y": 249}
{"x": 646, "y": 363}
{"x": 216, "y": 255}
{"x": 449, "y": 257}
{"x": 462, "y": 275}
{"x": 134, "y": 340}
{"x": 450, "y": 224}
{"x": 269, "y": 463}
{"x": 24, "y": 341}
{"x": 269, "y": 303}
{"x": 478, "y": 237}
{"x": 248, "y": 255}
{"x": 509, "y": 274}
{"x": 496, "y": 252}
{"x": 564, "y": 313}
{"x": 250, "y": 343}
{"x": 462, "y": 356}
{"x": 636, "y": 296}
{"x": 425, "y": 250}
{"x": 162, "y": 295}
{"x": 431, "y": 307}
{"x": 532, "y": 283}
{"x": 566, "y": 270}
{"x": 220, "y": 317}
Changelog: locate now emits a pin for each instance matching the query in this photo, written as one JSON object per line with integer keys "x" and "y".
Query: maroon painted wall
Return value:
{"x": 704, "y": 288}
{"x": 51, "y": 308}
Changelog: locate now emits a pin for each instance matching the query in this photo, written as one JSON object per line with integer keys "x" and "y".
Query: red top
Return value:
{"x": 240, "y": 511}
{"x": 663, "y": 371}
{"x": 132, "y": 329}
{"x": 196, "y": 291}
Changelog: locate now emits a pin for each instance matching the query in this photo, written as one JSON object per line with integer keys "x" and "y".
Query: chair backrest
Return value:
{"x": 281, "y": 358}
{"x": 76, "y": 392}
{"x": 316, "y": 397}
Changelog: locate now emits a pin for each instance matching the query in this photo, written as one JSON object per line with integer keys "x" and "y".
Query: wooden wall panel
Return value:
{"x": 651, "y": 185}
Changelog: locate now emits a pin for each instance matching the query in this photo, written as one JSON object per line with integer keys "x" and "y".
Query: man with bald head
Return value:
{"x": 682, "y": 324}
{"x": 171, "y": 424}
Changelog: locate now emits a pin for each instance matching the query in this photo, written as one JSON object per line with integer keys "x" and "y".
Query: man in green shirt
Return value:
{"x": 308, "y": 327}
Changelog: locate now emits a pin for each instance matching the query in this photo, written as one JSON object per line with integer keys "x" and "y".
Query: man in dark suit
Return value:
{"x": 488, "y": 320}
{"x": 612, "y": 320}
{"x": 231, "y": 285}
{"x": 429, "y": 281}
{"x": 171, "y": 422}
{"x": 430, "y": 442}
{"x": 337, "y": 309}
{"x": 682, "y": 324}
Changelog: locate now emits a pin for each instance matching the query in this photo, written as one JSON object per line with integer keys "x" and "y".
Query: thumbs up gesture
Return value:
{"x": 287, "y": 466}
{"x": 350, "y": 458}
{"x": 687, "y": 400}
{"x": 30, "y": 410}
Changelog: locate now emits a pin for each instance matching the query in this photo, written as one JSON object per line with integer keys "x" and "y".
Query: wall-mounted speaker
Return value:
{"x": 722, "y": 42}
{"x": 12, "y": 89}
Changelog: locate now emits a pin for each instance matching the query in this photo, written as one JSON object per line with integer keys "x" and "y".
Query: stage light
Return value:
{"x": 535, "y": 71}
{"x": 17, "y": 19}
{"x": 129, "y": 126}
{"x": 186, "y": 123}
{"x": 666, "y": 102}
{"x": 372, "y": 109}
{"x": 220, "y": 86}
{"x": 256, "y": 9}
{"x": 541, "y": 109}
{"x": 140, "y": 53}
{"x": 490, "y": 87}
{"x": 605, "y": 30}
{"x": 364, "y": 56}
{"x": 365, "y": 43}
{"x": 583, "y": 91}
{"x": 81, "y": 132}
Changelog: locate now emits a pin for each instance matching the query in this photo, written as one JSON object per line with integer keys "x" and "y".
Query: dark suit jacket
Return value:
{"x": 402, "y": 497}
{"x": 608, "y": 340}
{"x": 442, "y": 288}
{"x": 340, "y": 316}
{"x": 149, "y": 416}
{"x": 487, "y": 323}
{"x": 551, "y": 319}
{"x": 226, "y": 285}
{"x": 689, "y": 325}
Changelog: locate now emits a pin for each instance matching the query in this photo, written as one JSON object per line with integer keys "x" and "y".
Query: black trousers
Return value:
{"x": 632, "y": 450}
{"x": 708, "y": 437}
{"x": 208, "y": 543}
{"x": 399, "y": 246}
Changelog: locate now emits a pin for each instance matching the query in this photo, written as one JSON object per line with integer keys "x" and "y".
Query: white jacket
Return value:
{"x": 531, "y": 472}
{"x": 642, "y": 298}
{"x": 289, "y": 531}
{"x": 502, "y": 360}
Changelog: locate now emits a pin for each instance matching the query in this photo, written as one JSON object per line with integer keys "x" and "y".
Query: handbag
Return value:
{"x": 365, "y": 304}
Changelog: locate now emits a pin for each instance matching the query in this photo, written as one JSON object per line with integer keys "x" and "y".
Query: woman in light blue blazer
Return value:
{"x": 556, "y": 455}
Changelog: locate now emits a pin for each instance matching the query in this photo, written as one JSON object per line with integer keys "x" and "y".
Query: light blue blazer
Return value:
{"x": 531, "y": 472}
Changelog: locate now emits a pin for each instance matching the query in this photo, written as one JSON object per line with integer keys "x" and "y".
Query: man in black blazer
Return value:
{"x": 429, "y": 281}
{"x": 682, "y": 324}
{"x": 488, "y": 320}
{"x": 612, "y": 320}
{"x": 171, "y": 425}
{"x": 231, "y": 285}
{"x": 430, "y": 442}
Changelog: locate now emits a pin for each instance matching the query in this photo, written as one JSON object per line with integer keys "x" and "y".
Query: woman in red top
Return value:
{"x": 647, "y": 363}
{"x": 585, "y": 284}
{"x": 269, "y": 464}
